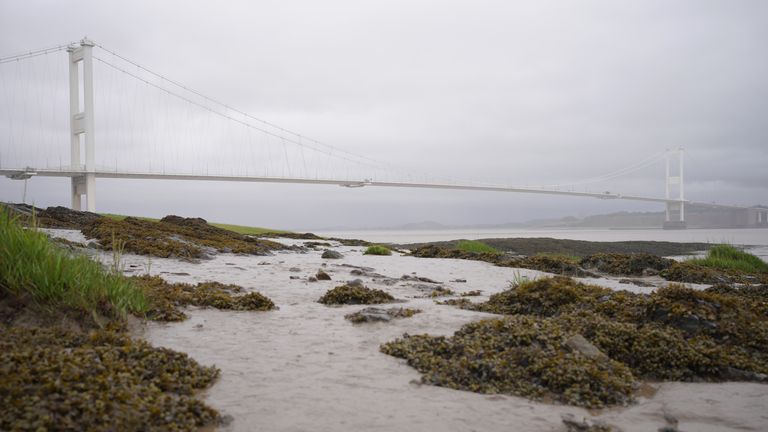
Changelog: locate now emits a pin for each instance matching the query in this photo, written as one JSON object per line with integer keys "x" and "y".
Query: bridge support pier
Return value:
{"x": 675, "y": 214}
{"x": 81, "y": 125}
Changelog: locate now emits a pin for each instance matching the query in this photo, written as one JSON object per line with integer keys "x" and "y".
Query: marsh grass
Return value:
{"x": 33, "y": 269}
{"x": 727, "y": 257}
{"x": 519, "y": 279}
{"x": 475, "y": 247}
{"x": 377, "y": 250}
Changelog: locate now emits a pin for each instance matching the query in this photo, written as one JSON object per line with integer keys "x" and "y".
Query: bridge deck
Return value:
{"x": 29, "y": 173}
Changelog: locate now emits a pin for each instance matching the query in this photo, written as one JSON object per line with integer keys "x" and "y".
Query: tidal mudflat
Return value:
{"x": 305, "y": 367}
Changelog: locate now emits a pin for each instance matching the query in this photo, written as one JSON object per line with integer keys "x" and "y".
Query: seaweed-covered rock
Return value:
{"x": 625, "y": 264}
{"x": 559, "y": 265}
{"x": 520, "y": 355}
{"x": 755, "y": 292}
{"x": 56, "y": 379}
{"x": 547, "y": 263}
{"x": 723, "y": 317}
{"x": 674, "y": 333}
{"x": 166, "y": 298}
{"x": 544, "y": 297}
{"x": 350, "y": 295}
{"x": 173, "y": 236}
{"x": 374, "y": 314}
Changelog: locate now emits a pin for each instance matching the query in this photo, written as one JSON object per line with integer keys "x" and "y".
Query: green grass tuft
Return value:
{"x": 377, "y": 250}
{"x": 475, "y": 247}
{"x": 727, "y": 257}
{"x": 32, "y": 268}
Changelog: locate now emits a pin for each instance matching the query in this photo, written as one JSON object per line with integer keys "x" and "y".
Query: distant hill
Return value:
{"x": 696, "y": 217}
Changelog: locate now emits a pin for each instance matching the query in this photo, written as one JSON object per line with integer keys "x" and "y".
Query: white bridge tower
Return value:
{"x": 675, "y": 215}
{"x": 81, "y": 124}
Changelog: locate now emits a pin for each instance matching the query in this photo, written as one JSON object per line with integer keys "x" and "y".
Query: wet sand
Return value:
{"x": 306, "y": 368}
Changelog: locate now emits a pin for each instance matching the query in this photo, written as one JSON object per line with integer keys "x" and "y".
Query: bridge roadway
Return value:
{"x": 26, "y": 173}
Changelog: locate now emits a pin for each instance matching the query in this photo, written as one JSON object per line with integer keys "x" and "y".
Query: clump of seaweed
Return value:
{"x": 166, "y": 298}
{"x": 519, "y": 355}
{"x": 472, "y": 293}
{"x": 371, "y": 314}
{"x": 674, "y": 333}
{"x": 57, "y": 379}
{"x": 622, "y": 264}
{"x": 174, "y": 237}
{"x": 350, "y": 295}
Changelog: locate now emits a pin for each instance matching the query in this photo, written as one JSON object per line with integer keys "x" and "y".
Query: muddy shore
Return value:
{"x": 306, "y": 367}
{"x": 303, "y": 366}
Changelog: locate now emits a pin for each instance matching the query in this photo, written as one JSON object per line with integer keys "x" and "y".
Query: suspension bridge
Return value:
{"x": 153, "y": 127}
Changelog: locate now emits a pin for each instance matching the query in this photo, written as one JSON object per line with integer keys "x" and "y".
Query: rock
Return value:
{"x": 370, "y": 314}
{"x": 205, "y": 256}
{"x": 312, "y": 279}
{"x": 690, "y": 324}
{"x": 637, "y": 282}
{"x": 355, "y": 283}
{"x": 357, "y": 272}
{"x": 419, "y": 279}
{"x": 459, "y": 280}
{"x": 294, "y": 277}
{"x": 321, "y": 275}
{"x": 671, "y": 423}
{"x": 580, "y": 344}
{"x": 294, "y": 269}
{"x": 573, "y": 425}
{"x": 226, "y": 420}
{"x": 374, "y": 314}
{"x": 331, "y": 254}
{"x": 264, "y": 263}
{"x": 734, "y": 374}
{"x": 363, "y": 268}
{"x": 650, "y": 272}
{"x": 93, "y": 245}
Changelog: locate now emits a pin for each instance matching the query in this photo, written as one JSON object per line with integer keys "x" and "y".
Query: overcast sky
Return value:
{"x": 523, "y": 93}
